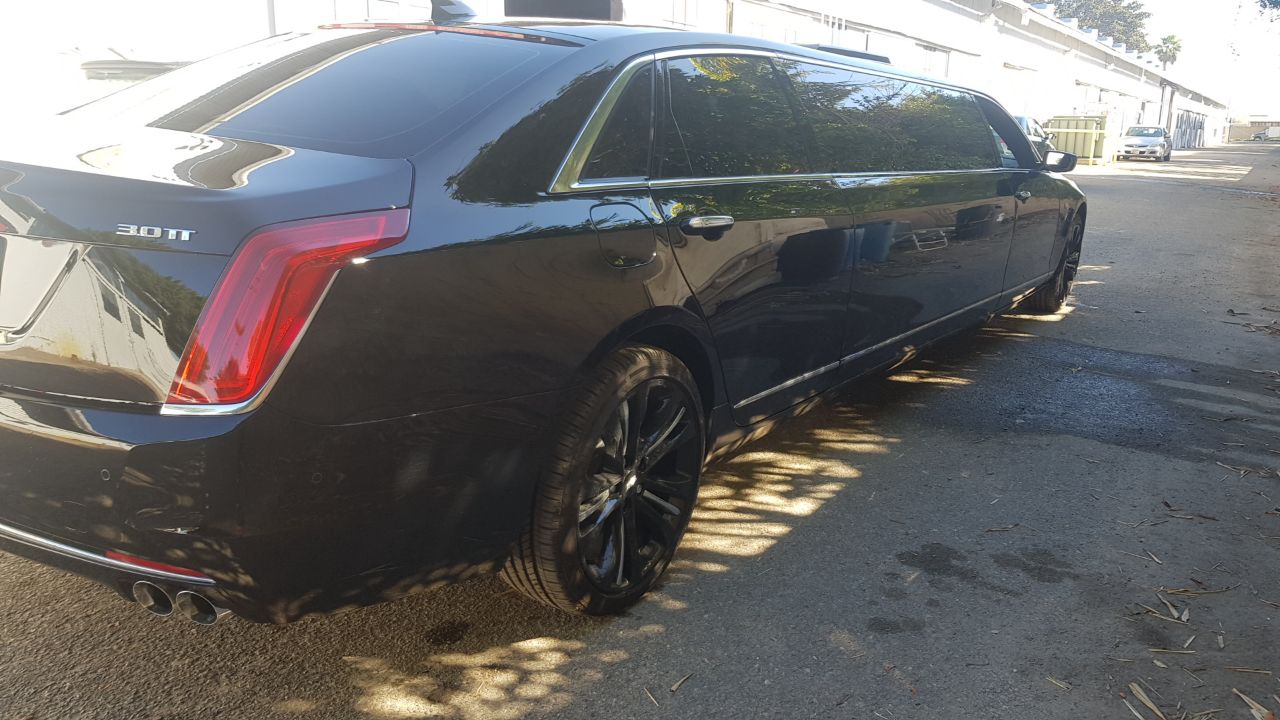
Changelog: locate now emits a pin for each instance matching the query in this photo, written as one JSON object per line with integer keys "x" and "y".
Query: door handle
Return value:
{"x": 1023, "y": 195}
{"x": 711, "y": 227}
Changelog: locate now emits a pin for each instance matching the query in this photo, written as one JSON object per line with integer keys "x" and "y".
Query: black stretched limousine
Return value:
{"x": 348, "y": 313}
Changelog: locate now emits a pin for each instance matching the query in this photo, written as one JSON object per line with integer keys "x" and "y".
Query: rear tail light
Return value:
{"x": 265, "y": 299}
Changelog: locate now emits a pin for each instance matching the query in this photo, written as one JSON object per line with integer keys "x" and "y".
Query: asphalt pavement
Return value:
{"x": 1013, "y": 526}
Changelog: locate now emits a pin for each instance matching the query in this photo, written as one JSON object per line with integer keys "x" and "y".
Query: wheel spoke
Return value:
{"x": 660, "y": 525}
{"x": 678, "y": 485}
{"x": 638, "y": 405}
{"x": 630, "y": 550}
{"x": 617, "y": 440}
{"x": 669, "y": 441}
{"x": 606, "y": 510}
{"x": 659, "y": 503}
{"x": 592, "y": 506}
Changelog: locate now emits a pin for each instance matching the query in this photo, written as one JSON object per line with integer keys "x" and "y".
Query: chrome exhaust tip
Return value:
{"x": 152, "y": 598}
{"x": 197, "y": 608}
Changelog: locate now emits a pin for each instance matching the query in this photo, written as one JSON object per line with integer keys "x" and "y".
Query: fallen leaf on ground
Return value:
{"x": 1259, "y": 711}
{"x": 1141, "y": 694}
{"x": 680, "y": 682}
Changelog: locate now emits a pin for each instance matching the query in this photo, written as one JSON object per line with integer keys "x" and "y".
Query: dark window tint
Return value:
{"x": 1007, "y": 158}
{"x": 729, "y": 116}
{"x": 622, "y": 150}
{"x": 381, "y": 93}
{"x": 868, "y": 123}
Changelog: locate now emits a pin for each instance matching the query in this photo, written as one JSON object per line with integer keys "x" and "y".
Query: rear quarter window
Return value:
{"x": 372, "y": 92}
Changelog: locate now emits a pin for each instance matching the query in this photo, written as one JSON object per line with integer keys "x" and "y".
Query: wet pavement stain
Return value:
{"x": 1038, "y": 564}
{"x": 448, "y": 632}
{"x": 890, "y": 626}
{"x": 940, "y": 561}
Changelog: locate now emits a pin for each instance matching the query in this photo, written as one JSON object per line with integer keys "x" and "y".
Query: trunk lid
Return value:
{"x": 111, "y": 241}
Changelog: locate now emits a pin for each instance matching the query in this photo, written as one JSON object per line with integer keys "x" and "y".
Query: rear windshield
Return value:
{"x": 373, "y": 92}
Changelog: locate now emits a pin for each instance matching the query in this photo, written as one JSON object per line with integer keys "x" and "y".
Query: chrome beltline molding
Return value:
{"x": 881, "y": 345}
{"x": 23, "y": 537}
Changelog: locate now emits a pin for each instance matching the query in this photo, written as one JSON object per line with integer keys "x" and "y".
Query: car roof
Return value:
{"x": 634, "y": 40}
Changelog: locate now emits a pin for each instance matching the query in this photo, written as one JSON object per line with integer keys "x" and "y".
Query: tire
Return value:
{"x": 616, "y": 496}
{"x": 1050, "y": 297}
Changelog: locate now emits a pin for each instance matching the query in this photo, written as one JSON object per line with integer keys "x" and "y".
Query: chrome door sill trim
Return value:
{"x": 881, "y": 345}
{"x": 793, "y": 381}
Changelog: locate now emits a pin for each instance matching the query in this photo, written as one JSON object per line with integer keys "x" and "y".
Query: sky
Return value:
{"x": 1230, "y": 50}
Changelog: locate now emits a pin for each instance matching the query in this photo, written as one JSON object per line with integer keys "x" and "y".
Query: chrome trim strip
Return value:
{"x": 881, "y": 345}
{"x": 737, "y": 180}
{"x": 899, "y": 338}
{"x": 918, "y": 173}
{"x": 566, "y": 177}
{"x": 1029, "y": 285}
{"x": 42, "y": 543}
{"x": 793, "y": 381}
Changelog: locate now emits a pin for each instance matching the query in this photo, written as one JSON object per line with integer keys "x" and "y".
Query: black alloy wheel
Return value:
{"x": 1050, "y": 297}
{"x": 615, "y": 501}
{"x": 641, "y": 487}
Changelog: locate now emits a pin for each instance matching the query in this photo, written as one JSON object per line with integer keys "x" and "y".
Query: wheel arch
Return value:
{"x": 680, "y": 332}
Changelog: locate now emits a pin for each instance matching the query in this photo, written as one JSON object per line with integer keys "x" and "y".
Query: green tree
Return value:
{"x": 1124, "y": 20}
{"x": 1168, "y": 49}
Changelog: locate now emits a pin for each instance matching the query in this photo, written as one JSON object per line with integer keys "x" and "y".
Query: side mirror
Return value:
{"x": 1056, "y": 161}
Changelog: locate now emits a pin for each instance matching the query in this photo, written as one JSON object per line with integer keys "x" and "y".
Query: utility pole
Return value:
{"x": 728, "y": 16}
{"x": 271, "y": 17}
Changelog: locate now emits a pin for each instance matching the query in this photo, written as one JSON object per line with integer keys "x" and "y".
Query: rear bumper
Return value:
{"x": 286, "y": 518}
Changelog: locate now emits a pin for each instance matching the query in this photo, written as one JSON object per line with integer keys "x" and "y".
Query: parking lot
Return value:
{"x": 1009, "y": 527}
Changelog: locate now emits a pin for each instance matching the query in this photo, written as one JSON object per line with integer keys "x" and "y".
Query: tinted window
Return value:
{"x": 729, "y": 116}
{"x": 1007, "y": 158}
{"x": 622, "y": 150}
{"x": 382, "y": 93}
{"x": 868, "y": 123}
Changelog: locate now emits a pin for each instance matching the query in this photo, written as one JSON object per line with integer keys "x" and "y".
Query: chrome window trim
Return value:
{"x": 23, "y": 537}
{"x": 883, "y": 344}
{"x": 736, "y": 180}
{"x": 568, "y": 176}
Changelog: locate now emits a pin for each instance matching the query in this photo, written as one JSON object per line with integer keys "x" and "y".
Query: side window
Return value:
{"x": 729, "y": 116}
{"x": 622, "y": 149}
{"x": 869, "y": 123}
{"x": 1007, "y": 158}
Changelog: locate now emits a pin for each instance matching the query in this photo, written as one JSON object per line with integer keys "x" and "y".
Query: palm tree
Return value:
{"x": 1168, "y": 49}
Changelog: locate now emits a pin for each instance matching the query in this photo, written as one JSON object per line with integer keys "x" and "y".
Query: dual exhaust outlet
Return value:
{"x": 190, "y": 605}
